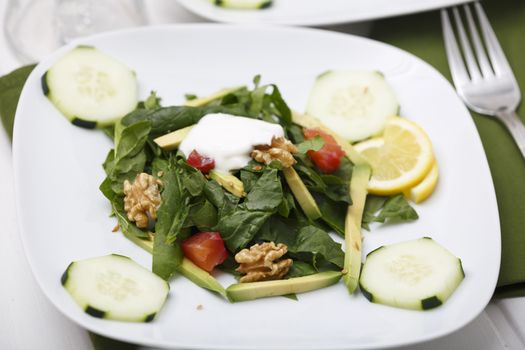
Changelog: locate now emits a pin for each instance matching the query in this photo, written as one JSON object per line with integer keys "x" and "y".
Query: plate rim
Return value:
{"x": 221, "y": 15}
{"x": 17, "y": 140}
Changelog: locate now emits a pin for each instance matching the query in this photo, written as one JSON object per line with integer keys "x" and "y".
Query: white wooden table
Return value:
{"x": 29, "y": 321}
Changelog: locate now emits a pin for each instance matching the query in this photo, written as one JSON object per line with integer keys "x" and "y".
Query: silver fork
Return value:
{"x": 485, "y": 83}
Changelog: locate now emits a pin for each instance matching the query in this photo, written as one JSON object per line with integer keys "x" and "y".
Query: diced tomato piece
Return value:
{"x": 205, "y": 249}
{"x": 311, "y": 133}
{"x": 202, "y": 163}
{"x": 328, "y": 158}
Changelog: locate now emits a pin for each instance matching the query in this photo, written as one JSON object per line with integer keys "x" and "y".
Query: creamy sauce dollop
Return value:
{"x": 228, "y": 139}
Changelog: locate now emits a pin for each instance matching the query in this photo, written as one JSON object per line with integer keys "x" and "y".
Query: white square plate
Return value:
{"x": 315, "y": 12}
{"x": 64, "y": 217}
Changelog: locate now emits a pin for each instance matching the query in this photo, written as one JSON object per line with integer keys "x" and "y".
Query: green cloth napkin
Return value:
{"x": 420, "y": 34}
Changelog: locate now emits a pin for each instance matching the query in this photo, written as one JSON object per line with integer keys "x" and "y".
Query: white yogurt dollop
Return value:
{"x": 228, "y": 139}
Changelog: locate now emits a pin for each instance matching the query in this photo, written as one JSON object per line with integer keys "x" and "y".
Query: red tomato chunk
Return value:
{"x": 205, "y": 249}
{"x": 202, "y": 163}
{"x": 328, "y": 158}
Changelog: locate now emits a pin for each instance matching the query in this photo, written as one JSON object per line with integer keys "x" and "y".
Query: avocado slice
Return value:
{"x": 172, "y": 140}
{"x": 255, "y": 290}
{"x": 229, "y": 182}
{"x": 203, "y": 101}
{"x": 200, "y": 277}
{"x": 301, "y": 193}
{"x": 358, "y": 191}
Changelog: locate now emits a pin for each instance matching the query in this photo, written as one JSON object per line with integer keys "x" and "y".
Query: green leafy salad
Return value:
{"x": 272, "y": 212}
{"x": 192, "y": 202}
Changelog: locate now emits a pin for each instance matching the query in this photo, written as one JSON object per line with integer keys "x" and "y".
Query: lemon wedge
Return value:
{"x": 425, "y": 188}
{"x": 400, "y": 159}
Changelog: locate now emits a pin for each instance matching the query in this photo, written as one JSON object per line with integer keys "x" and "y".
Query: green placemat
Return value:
{"x": 420, "y": 34}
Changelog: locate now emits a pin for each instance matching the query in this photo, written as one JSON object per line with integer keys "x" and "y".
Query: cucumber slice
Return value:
{"x": 418, "y": 274}
{"x": 90, "y": 88}
{"x": 243, "y": 4}
{"x": 355, "y": 103}
{"x": 115, "y": 287}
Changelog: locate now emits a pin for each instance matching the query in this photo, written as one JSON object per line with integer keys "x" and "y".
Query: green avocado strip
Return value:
{"x": 200, "y": 277}
{"x": 358, "y": 192}
{"x": 302, "y": 194}
{"x": 255, "y": 290}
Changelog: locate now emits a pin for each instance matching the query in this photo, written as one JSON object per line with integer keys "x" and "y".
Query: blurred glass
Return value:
{"x": 35, "y": 28}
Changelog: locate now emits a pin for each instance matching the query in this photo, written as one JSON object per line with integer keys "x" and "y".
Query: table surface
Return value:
{"x": 29, "y": 321}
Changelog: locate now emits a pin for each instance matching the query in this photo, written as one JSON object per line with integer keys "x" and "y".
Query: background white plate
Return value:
{"x": 63, "y": 216}
{"x": 316, "y": 12}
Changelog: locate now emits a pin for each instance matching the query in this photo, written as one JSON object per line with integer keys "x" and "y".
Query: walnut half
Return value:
{"x": 142, "y": 199}
{"x": 280, "y": 150}
{"x": 261, "y": 262}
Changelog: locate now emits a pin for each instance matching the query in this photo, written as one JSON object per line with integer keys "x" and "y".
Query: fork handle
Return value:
{"x": 515, "y": 127}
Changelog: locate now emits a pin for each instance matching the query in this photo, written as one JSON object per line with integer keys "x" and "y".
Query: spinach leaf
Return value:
{"x": 153, "y": 101}
{"x": 159, "y": 166}
{"x": 332, "y": 213}
{"x": 393, "y": 209}
{"x": 167, "y": 257}
{"x": 279, "y": 230}
{"x": 287, "y": 205}
{"x": 248, "y": 178}
{"x": 291, "y": 296}
{"x": 295, "y": 133}
{"x": 174, "y": 208}
{"x": 266, "y": 194}
{"x": 203, "y": 215}
{"x": 372, "y": 205}
{"x": 306, "y": 243}
{"x": 240, "y": 227}
{"x": 171, "y": 215}
{"x": 225, "y": 203}
{"x": 166, "y": 119}
{"x": 335, "y": 186}
{"x": 313, "y": 241}
{"x": 192, "y": 179}
{"x": 127, "y": 159}
{"x": 257, "y": 100}
{"x": 300, "y": 269}
{"x": 313, "y": 144}
{"x": 396, "y": 209}
{"x": 281, "y": 106}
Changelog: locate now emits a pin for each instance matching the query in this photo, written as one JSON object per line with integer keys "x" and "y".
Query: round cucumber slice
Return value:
{"x": 90, "y": 88}
{"x": 418, "y": 274}
{"x": 115, "y": 287}
{"x": 356, "y": 104}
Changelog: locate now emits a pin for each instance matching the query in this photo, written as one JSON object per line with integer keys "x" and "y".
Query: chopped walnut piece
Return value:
{"x": 142, "y": 199}
{"x": 261, "y": 262}
{"x": 281, "y": 150}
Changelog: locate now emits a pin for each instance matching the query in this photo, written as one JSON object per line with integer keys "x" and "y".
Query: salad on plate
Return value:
{"x": 238, "y": 183}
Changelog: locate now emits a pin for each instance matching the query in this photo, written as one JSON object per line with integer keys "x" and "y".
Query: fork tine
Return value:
{"x": 472, "y": 66}
{"x": 457, "y": 67}
{"x": 497, "y": 57}
{"x": 483, "y": 62}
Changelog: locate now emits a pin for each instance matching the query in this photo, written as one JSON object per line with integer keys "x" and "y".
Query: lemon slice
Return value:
{"x": 424, "y": 189}
{"x": 400, "y": 159}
